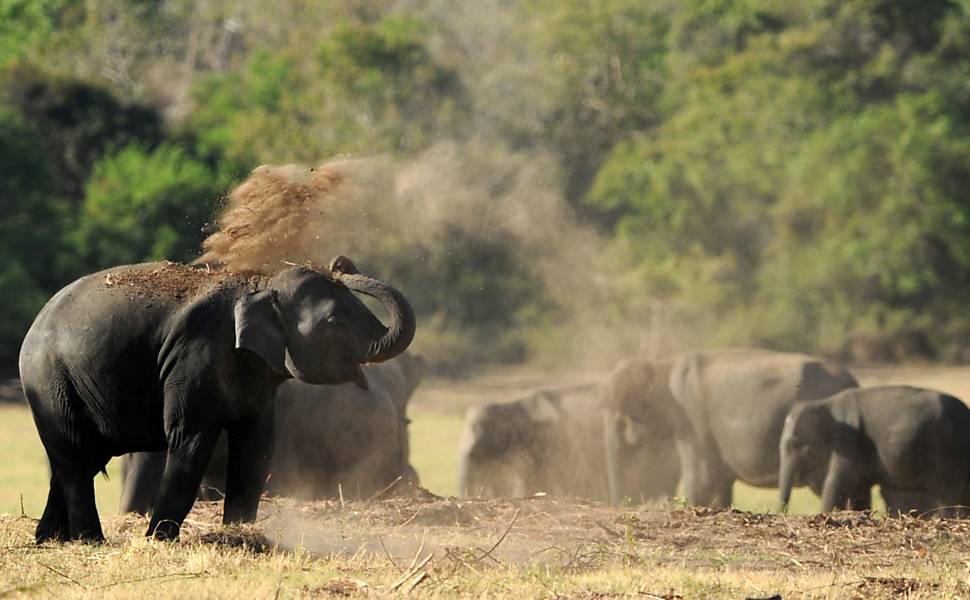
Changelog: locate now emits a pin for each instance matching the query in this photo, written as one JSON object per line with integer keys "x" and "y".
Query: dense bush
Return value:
{"x": 141, "y": 206}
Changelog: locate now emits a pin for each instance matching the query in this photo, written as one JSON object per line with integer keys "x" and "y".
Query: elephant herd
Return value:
{"x": 221, "y": 383}
{"x": 708, "y": 419}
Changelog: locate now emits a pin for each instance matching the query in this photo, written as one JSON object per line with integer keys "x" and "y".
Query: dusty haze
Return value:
{"x": 380, "y": 211}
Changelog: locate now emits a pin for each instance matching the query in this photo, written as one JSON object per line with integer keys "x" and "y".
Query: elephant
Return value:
{"x": 640, "y": 417}
{"x": 325, "y": 436}
{"x": 549, "y": 441}
{"x": 912, "y": 442}
{"x": 163, "y": 356}
{"x": 735, "y": 401}
{"x": 342, "y": 440}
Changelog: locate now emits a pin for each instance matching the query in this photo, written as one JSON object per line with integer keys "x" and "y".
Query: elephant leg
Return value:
{"x": 844, "y": 486}
{"x": 184, "y": 466}
{"x": 250, "y": 452}
{"x": 142, "y": 476}
{"x": 54, "y": 525}
{"x": 902, "y": 503}
{"x": 472, "y": 479}
{"x": 860, "y": 498}
{"x": 77, "y": 485}
{"x": 707, "y": 480}
{"x": 666, "y": 480}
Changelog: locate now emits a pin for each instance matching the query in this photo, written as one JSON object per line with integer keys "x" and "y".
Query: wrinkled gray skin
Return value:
{"x": 735, "y": 402}
{"x": 913, "y": 442}
{"x": 640, "y": 417}
{"x": 550, "y": 441}
{"x": 325, "y": 436}
{"x": 109, "y": 369}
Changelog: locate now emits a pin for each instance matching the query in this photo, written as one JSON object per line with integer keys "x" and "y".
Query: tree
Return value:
{"x": 78, "y": 122}
{"x": 368, "y": 88}
{"x": 142, "y": 205}
{"x": 32, "y": 224}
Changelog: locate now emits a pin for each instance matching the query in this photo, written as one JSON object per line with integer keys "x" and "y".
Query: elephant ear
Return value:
{"x": 259, "y": 330}
{"x": 848, "y": 422}
{"x": 543, "y": 408}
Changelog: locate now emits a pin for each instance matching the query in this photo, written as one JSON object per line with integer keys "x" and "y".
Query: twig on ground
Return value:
{"x": 388, "y": 554}
{"x": 410, "y": 573}
{"x": 64, "y": 575}
{"x": 411, "y": 518}
{"x": 188, "y": 575}
{"x": 417, "y": 581}
{"x": 385, "y": 490}
{"x": 608, "y": 530}
{"x": 504, "y": 533}
{"x": 418, "y": 553}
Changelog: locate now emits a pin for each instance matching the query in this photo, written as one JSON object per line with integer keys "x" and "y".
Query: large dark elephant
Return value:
{"x": 325, "y": 436}
{"x": 640, "y": 417}
{"x": 163, "y": 356}
{"x": 550, "y": 441}
{"x": 913, "y": 442}
{"x": 735, "y": 403}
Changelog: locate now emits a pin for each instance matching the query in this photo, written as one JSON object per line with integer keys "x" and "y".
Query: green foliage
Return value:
{"x": 811, "y": 168}
{"x": 31, "y": 229}
{"x": 146, "y": 205}
{"x": 600, "y": 74}
{"x": 368, "y": 88}
{"x": 78, "y": 122}
{"x": 26, "y": 23}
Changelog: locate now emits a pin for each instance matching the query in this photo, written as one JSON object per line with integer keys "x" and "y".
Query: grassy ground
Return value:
{"x": 433, "y": 548}
{"x": 543, "y": 548}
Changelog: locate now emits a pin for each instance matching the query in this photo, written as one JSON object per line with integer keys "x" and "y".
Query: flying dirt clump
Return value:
{"x": 271, "y": 218}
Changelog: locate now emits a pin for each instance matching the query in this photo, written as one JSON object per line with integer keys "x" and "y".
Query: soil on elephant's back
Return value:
{"x": 174, "y": 280}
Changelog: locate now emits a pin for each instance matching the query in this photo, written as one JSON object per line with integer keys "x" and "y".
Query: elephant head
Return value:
{"x": 309, "y": 325}
{"x": 639, "y": 420}
{"x": 807, "y": 441}
{"x": 495, "y": 435}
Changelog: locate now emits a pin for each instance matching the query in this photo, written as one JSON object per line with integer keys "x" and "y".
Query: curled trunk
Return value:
{"x": 402, "y": 325}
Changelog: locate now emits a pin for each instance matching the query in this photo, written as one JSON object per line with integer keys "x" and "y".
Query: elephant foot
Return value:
{"x": 90, "y": 537}
{"x": 50, "y": 533}
{"x": 166, "y": 530}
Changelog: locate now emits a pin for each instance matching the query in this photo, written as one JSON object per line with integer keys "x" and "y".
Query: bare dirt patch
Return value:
{"x": 439, "y": 545}
{"x": 575, "y": 534}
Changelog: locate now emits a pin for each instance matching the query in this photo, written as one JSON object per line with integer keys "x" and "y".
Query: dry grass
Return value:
{"x": 429, "y": 547}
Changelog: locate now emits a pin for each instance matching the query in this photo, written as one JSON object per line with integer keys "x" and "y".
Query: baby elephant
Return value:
{"x": 550, "y": 441}
{"x": 913, "y": 442}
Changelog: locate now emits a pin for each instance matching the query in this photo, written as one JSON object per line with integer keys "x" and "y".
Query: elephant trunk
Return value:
{"x": 464, "y": 479}
{"x": 402, "y": 324}
{"x": 786, "y": 480}
{"x": 613, "y": 458}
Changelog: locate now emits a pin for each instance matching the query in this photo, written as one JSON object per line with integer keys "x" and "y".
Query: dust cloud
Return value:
{"x": 381, "y": 211}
